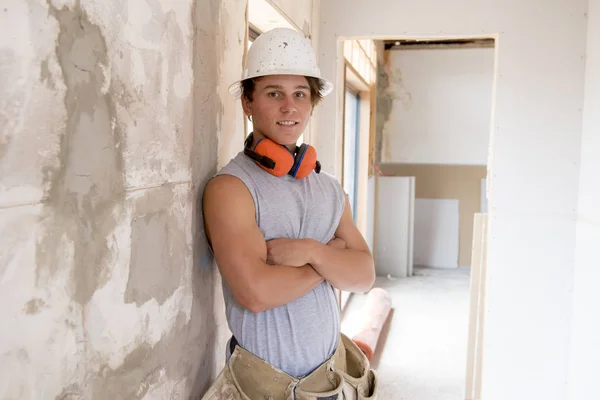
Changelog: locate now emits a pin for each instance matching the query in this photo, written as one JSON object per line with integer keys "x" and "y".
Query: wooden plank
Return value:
{"x": 475, "y": 333}
{"x": 481, "y": 314}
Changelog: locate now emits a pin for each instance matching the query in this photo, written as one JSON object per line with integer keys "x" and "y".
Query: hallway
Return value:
{"x": 114, "y": 116}
{"x": 424, "y": 341}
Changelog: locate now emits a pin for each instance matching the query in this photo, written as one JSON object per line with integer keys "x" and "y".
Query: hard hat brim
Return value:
{"x": 236, "y": 88}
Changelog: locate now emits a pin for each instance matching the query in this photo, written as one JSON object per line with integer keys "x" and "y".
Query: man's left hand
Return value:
{"x": 291, "y": 252}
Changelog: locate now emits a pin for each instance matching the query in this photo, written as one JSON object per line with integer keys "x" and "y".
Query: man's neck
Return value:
{"x": 256, "y": 136}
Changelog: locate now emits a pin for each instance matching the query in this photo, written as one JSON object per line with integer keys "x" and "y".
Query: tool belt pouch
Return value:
{"x": 348, "y": 375}
{"x": 333, "y": 390}
{"x": 360, "y": 381}
{"x": 345, "y": 376}
{"x": 224, "y": 388}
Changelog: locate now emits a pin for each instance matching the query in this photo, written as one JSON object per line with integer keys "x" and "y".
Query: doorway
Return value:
{"x": 357, "y": 122}
{"x": 434, "y": 111}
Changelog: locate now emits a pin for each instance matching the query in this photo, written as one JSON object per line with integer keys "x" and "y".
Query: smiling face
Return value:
{"x": 280, "y": 107}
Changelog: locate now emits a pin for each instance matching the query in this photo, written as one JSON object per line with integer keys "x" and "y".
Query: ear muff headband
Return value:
{"x": 300, "y": 152}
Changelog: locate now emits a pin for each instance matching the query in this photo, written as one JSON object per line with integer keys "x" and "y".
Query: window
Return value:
{"x": 362, "y": 56}
{"x": 351, "y": 148}
{"x": 253, "y": 33}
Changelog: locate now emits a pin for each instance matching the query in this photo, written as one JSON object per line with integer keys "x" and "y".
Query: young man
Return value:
{"x": 283, "y": 237}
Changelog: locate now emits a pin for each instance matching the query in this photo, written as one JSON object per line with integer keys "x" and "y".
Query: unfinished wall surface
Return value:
{"x": 535, "y": 152}
{"x": 231, "y": 29}
{"x": 585, "y": 354}
{"x": 110, "y": 119}
{"x": 441, "y": 106}
{"x": 383, "y": 99}
{"x": 461, "y": 182}
{"x": 297, "y": 12}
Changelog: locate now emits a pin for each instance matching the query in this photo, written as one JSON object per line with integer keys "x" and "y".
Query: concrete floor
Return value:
{"x": 421, "y": 353}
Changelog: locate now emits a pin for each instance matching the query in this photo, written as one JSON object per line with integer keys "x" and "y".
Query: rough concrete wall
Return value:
{"x": 109, "y": 129}
{"x": 218, "y": 132}
{"x": 230, "y": 34}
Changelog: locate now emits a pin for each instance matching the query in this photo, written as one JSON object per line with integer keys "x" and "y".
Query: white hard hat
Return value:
{"x": 281, "y": 51}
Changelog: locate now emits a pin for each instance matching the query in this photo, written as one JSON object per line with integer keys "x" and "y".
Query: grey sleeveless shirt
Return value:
{"x": 299, "y": 336}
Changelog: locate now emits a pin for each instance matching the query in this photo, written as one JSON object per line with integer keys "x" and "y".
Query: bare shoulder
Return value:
{"x": 224, "y": 181}
{"x": 225, "y": 200}
{"x": 219, "y": 186}
{"x": 230, "y": 225}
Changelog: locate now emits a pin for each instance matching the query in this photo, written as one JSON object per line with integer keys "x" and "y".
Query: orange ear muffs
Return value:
{"x": 279, "y": 161}
{"x": 283, "y": 159}
{"x": 305, "y": 162}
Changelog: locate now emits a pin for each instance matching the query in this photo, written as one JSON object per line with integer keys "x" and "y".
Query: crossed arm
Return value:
{"x": 345, "y": 262}
{"x": 264, "y": 275}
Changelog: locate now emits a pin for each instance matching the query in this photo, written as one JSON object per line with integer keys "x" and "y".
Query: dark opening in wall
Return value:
{"x": 404, "y": 44}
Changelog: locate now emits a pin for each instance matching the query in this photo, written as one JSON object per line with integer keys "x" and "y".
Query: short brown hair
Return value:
{"x": 315, "y": 85}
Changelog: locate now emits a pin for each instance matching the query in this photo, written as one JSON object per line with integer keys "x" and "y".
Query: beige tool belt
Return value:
{"x": 345, "y": 376}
